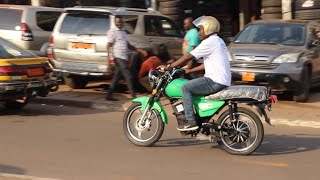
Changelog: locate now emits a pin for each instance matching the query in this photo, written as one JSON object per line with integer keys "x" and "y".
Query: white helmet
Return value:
{"x": 210, "y": 24}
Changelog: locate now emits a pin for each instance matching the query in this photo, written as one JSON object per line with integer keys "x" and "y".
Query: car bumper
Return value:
{"x": 16, "y": 90}
{"x": 285, "y": 77}
{"x": 82, "y": 69}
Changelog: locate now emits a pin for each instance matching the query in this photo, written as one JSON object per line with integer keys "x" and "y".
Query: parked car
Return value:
{"x": 23, "y": 75}
{"x": 78, "y": 41}
{"x": 28, "y": 26}
{"x": 282, "y": 54}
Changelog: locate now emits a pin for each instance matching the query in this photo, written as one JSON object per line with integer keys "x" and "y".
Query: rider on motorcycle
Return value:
{"x": 216, "y": 65}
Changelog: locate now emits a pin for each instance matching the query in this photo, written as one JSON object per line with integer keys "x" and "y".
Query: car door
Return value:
{"x": 162, "y": 30}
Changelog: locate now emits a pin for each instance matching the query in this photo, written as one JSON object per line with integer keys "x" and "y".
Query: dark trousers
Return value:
{"x": 122, "y": 69}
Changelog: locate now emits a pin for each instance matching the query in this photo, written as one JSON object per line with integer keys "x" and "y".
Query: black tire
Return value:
{"x": 259, "y": 128}
{"x": 302, "y": 95}
{"x": 271, "y": 10}
{"x": 298, "y": 5}
{"x": 169, "y": 4}
{"x": 75, "y": 82}
{"x": 14, "y": 104}
{"x": 307, "y": 14}
{"x": 168, "y": 11}
{"x": 271, "y": 3}
{"x": 271, "y": 16}
{"x": 174, "y": 17}
{"x": 155, "y": 138}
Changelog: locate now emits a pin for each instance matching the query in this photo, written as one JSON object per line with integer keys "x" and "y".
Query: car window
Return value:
{"x": 10, "y": 19}
{"x": 285, "y": 34}
{"x": 160, "y": 26}
{"x": 85, "y": 23}
{"x": 129, "y": 23}
{"x": 152, "y": 26}
{"x": 47, "y": 19}
{"x": 168, "y": 28}
{"x": 8, "y": 50}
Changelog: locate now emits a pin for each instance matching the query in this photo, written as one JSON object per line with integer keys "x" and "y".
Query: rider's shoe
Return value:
{"x": 188, "y": 126}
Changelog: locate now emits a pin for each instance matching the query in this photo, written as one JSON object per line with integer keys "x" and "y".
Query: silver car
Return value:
{"x": 28, "y": 26}
{"x": 281, "y": 54}
{"x": 78, "y": 41}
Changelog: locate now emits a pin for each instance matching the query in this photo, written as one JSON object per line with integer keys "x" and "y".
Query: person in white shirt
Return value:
{"x": 216, "y": 65}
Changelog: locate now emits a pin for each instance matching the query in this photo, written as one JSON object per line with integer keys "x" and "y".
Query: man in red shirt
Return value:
{"x": 160, "y": 56}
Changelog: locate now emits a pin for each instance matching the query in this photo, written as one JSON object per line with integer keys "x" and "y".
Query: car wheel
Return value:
{"x": 271, "y": 10}
{"x": 302, "y": 95}
{"x": 271, "y": 16}
{"x": 271, "y": 3}
{"x": 75, "y": 82}
{"x": 168, "y": 4}
{"x": 169, "y": 11}
{"x": 307, "y": 14}
{"x": 300, "y": 5}
{"x": 14, "y": 104}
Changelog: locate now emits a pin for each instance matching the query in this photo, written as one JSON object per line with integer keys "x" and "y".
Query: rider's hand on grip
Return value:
{"x": 161, "y": 68}
{"x": 164, "y": 68}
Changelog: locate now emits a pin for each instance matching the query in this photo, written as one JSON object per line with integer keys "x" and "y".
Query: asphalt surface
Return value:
{"x": 61, "y": 142}
{"x": 285, "y": 111}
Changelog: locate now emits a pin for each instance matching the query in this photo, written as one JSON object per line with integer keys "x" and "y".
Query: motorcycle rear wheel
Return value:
{"x": 136, "y": 132}
{"x": 241, "y": 141}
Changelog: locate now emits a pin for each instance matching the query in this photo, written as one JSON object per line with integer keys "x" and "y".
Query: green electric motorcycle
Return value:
{"x": 238, "y": 129}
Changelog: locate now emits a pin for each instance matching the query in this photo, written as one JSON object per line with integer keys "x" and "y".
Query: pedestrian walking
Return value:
{"x": 190, "y": 42}
{"x": 118, "y": 40}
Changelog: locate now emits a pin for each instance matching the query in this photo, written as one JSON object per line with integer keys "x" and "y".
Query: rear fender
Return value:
{"x": 261, "y": 110}
{"x": 156, "y": 105}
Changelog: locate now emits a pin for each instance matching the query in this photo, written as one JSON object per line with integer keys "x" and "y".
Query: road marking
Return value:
{"x": 296, "y": 122}
{"x": 273, "y": 164}
{"x": 23, "y": 177}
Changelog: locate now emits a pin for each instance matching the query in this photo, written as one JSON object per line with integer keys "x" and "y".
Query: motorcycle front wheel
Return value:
{"x": 142, "y": 132}
{"x": 242, "y": 136}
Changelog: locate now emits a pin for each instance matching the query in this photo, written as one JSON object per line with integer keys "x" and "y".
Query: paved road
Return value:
{"x": 61, "y": 142}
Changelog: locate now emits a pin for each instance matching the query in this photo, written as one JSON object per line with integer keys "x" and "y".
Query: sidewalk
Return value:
{"x": 91, "y": 97}
{"x": 284, "y": 112}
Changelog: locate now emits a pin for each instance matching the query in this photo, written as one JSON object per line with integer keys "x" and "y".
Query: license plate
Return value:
{"x": 81, "y": 46}
{"x": 248, "y": 76}
{"x": 35, "y": 72}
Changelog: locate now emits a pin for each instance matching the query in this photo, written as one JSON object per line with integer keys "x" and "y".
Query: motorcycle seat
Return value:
{"x": 241, "y": 92}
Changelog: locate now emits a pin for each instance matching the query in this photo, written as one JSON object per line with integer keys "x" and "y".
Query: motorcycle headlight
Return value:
{"x": 153, "y": 77}
{"x": 287, "y": 58}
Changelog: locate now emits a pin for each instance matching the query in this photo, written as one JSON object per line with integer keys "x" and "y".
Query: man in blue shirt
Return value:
{"x": 190, "y": 42}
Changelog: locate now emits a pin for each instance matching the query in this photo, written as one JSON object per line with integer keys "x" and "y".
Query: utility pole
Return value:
{"x": 286, "y": 9}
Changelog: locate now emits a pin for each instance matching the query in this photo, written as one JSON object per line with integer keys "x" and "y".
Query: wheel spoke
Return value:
{"x": 241, "y": 125}
{"x": 241, "y": 137}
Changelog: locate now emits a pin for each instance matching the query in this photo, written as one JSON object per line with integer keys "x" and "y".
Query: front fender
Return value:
{"x": 156, "y": 105}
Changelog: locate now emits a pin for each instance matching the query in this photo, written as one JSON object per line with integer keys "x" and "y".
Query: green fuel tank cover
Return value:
{"x": 173, "y": 89}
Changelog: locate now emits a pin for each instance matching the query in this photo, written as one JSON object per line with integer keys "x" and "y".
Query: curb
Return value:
{"x": 119, "y": 106}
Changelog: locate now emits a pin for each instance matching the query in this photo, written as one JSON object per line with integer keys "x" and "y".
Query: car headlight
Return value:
{"x": 287, "y": 58}
{"x": 153, "y": 77}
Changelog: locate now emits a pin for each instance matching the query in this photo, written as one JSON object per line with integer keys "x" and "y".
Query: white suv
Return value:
{"x": 28, "y": 26}
{"x": 78, "y": 41}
